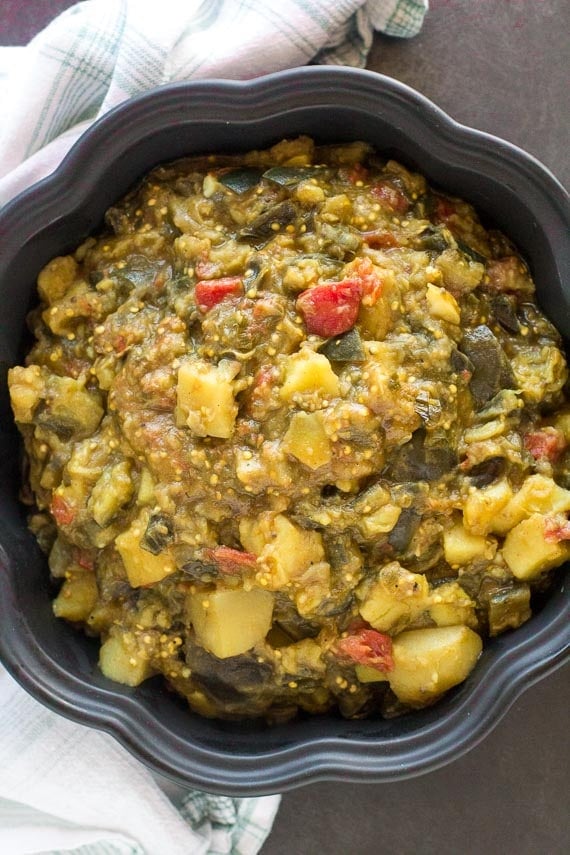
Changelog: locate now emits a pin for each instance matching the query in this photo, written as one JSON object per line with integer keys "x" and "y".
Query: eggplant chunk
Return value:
{"x": 261, "y": 230}
{"x": 234, "y": 680}
{"x": 344, "y": 348}
{"x": 418, "y": 461}
{"x": 508, "y": 607}
{"x": 491, "y": 369}
{"x": 504, "y": 312}
{"x": 240, "y": 180}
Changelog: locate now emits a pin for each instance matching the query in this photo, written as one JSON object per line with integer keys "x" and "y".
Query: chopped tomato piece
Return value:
{"x": 365, "y": 273}
{"x": 232, "y": 561}
{"x": 62, "y": 512}
{"x": 390, "y": 197}
{"x": 556, "y": 529}
{"x": 545, "y": 444}
{"x": 368, "y": 647}
{"x": 331, "y": 308}
{"x": 210, "y": 292}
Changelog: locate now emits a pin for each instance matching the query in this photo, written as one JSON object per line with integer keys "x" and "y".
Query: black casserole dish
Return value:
{"x": 56, "y": 664}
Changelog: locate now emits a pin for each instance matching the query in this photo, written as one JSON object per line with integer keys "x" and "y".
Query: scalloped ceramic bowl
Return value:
{"x": 57, "y": 665}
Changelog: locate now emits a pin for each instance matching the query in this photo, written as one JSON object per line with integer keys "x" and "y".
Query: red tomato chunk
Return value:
{"x": 232, "y": 561}
{"x": 368, "y": 647}
{"x": 545, "y": 444}
{"x": 210, "y": 292}
{"x": 331, "y": 308}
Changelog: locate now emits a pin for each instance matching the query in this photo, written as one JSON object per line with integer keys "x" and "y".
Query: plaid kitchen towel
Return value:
{"x": 65, "y": 787}
{"x": 100, "y": 52}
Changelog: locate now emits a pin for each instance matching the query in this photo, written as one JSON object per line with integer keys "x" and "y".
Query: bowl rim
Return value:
{"x": 525, "y": 659}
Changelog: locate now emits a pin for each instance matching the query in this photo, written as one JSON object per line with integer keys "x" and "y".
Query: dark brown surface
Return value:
{"x": 501, "y": 66}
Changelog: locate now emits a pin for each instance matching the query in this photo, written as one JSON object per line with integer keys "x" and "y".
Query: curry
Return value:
{"x": 296, "y": 434}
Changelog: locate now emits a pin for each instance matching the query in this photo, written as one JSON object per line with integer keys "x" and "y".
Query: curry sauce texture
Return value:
{"x": 296, "y": 434}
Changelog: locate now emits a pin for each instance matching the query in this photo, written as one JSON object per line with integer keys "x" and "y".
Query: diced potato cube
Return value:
{"x": 395, "y": 598}
{"x": 309, "y": 194}
{"x": 306, "y": 440}
{"x": 119, "y": 663}
{"x": 143, "y": 568}
{"x": 442, "y": 304}
{"x": 56, "y": 277}
{"x": 526, "y": 551}
{"x": 380, "y": 521}
{"x": 451, "y": 606}
{"x": 461, "y": 547}
{"x": 428, "y": 662}
{"x": 77, "y": 596}
{"x": 482, "y": 506}
{"x": 27, "y": 386}
{"x": 113, "y": 490}
{"x": 285, "y": 549}
{"x": 538, "y": 494}
{"x": 231, "y": 622}
{"x": 205, "y": 400}
{"x": 307, "y": 372}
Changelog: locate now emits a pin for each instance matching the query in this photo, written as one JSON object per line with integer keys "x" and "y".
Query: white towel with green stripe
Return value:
{"x": 101, "y": 52}
{"x": 65, "y": 787}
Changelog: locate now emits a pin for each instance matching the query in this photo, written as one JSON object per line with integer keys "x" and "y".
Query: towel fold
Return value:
{"x": 101, "y": 52}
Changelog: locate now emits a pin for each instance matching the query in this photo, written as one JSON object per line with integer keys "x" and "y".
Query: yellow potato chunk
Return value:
{"x": 77, "y": 596}
{"x": 56, "y": 278}
{"x": 528, "y": 554}
{"x": 538, "y": 494}
{"x": 461, "y": 547}
{"x": 27, "y": 387}
{"x": 451, "y": 606}
{"x": 428, "y": 662}
{"x": 308, "y": 372}
{"x": 143, "y": 568}
{"x": 482, "y": 506}
{"x": 285, "y": 549}
{"x": 231, "y": 622}
{"x": 395, "y": 598}
{"x": 442, "y": 304}
{"x": 380, "y": 521}
{"x": 205, "y": 399}
{"x": 121, "y": 664}
{"x": 306, "y": 440}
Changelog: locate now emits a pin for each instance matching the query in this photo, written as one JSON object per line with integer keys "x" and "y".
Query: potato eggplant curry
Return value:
{"x": 296, "y": 432}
